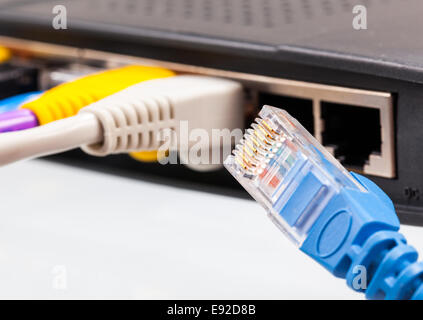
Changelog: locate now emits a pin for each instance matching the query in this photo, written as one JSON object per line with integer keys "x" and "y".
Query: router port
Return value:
{"x": 300, "y": 109}
{"x": 351, "y": 133}
{"x": 360, "y": 132}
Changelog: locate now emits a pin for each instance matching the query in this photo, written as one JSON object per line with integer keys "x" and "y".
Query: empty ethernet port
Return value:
{"x": 300, "y": 109}
{"x": 351, "y": 133}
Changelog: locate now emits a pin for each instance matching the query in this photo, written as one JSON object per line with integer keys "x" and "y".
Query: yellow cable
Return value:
{"x": 148, "y": 156}
{"x": 4, "y": 54}
{"x": 67, "y": 99}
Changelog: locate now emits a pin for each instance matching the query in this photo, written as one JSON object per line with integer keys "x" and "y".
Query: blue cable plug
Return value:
{"x": 359, "y": 231}
{"x": 340, "y": 219}
{"x": 13, "y": 103}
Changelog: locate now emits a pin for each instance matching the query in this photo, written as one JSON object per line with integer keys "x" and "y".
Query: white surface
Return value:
{"x": 70, "y": 233}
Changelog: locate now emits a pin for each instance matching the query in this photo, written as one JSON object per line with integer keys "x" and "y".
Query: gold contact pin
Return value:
{"x": 268, "y": 127}
{"x": 241, "y": 163}
{"x": 245, "y": 148}
{"x": 261, "y": 147}
{"x": 271, "y": 133}
{"x": 265, "y": 132}
{"x": 259, "y": 129}
{"x": 258, "y": 144}
{"x": 263, "y": 139}
{"x": 252, "y": 158}
{"x": 249, "y": 144}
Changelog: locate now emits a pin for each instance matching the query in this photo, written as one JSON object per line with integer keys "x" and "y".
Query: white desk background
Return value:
{"x": 73, "y": 233}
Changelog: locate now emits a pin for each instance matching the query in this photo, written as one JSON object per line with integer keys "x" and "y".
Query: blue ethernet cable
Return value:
{"x": 340, "y": 219}
{"x": 13, "y": 103}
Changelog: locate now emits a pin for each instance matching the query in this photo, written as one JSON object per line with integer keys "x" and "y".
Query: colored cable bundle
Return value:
{"x": 4, "y": 54}
{"x": 15, "y": 102}
{"x": 67, "y": 99}
{"x": 134, "y": 118}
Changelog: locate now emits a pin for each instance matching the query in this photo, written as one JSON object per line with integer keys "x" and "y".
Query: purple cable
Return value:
{"x": 17, "y": 120}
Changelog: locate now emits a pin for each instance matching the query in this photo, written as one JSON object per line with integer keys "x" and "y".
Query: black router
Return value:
{"x": 351, "y": 75}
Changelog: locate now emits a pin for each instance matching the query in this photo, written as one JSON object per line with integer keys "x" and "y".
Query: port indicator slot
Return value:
{"x": 356, "y": 126}
{"x": 351, "y": 133}
{"x": 300, "y": 109}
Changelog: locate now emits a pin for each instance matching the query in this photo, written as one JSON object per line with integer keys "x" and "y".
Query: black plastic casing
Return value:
{"x": 16, "y": 79}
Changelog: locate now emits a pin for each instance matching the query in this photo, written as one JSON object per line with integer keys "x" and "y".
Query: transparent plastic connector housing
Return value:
{"x": 287, "y": 171}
